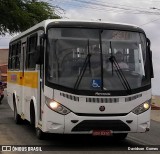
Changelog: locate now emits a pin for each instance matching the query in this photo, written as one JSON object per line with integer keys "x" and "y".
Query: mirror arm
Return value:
{"x": 150, "y": 57}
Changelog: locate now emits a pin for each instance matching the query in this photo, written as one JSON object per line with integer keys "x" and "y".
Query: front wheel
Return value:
{"x": 120, "y": 136}
{"x": 17, "y": 117}
{"x": 40, "y": 135}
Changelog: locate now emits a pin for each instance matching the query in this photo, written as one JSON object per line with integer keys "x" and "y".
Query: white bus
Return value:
{"x": 64, "y": 77}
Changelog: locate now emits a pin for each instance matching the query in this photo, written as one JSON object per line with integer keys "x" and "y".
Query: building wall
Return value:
{"x": 4, "y": 56}
{"x": 3, "y": 69}
{"x": 4, "y": 63}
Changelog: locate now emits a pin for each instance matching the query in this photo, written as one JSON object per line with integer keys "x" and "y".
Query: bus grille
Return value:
{"x": 89, "y": 125}
{"x": 102, "y": 100}
{"x": 71, "y": 97}
{"x": 127, "y": 99}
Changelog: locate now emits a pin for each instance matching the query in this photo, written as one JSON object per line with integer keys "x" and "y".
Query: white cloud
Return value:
{"x": 79, "y": 10}
{"x": 4, "y": 42}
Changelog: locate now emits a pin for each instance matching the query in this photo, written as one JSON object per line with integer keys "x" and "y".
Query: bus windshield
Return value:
{"x": 82, "y": 59}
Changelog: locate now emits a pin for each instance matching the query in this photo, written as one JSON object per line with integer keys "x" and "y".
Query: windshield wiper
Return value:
{"x": 81, "y": 74}
{"x": 119, "y": 72}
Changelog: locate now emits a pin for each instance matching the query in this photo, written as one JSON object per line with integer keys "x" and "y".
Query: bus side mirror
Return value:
{"x": 152, "y": 73}
{"x": 40, "y": 55}
{"x": 150, "y": 58}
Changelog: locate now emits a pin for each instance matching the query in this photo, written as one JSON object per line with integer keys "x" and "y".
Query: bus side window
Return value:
{"x": 31, "y": 52}
{"x": 17, "y": 56}
{"x": 10, "y": 57}
{"x": 13, "y": 56}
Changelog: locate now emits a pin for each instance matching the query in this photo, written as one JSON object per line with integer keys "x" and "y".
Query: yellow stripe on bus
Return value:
{"x": 28, "y": 79}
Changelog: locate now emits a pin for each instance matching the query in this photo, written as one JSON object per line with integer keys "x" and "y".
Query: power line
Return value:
{"x": 119, "y": 4}
{"x": 112, "y": 7}
{"x": 150, "y": 22}
{"x": 90, "y": 7}
{"x": 117, "y": 7}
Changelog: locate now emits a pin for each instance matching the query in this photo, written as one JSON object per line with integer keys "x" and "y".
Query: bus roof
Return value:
{"x": 79, "y": 23}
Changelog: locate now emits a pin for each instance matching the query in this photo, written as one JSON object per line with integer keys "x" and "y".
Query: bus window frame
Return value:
{"x": 28, "y": 52}
{"x": 18, "y": 55}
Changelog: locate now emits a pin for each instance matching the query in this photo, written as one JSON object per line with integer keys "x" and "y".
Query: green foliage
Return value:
{"x": 19, "y": 15}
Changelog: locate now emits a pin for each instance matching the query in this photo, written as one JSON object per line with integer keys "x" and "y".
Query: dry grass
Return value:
{"x": 156, "y": 100}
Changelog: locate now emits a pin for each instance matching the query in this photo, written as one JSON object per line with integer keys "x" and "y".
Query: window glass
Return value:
{"x": 13, "y": 57}
{"x": 31, "y": 52}
{"x": 18, "y": 55}
{"x": 69, "y": 57}
{"x": 129, "y": 51}
{"x": 10, "y": 57}
{"x": 75, "y": 59}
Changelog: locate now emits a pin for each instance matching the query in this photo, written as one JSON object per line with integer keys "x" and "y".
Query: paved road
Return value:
{"x": 12, "y": 134}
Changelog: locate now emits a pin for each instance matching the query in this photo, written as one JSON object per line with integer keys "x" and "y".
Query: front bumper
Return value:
{"x": 75, "y": 124}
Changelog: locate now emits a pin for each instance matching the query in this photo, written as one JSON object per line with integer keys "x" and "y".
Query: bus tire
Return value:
{"x": 40, "y": 135}
{"x": 120, "y": 136}
{"x": 17, "y": 117}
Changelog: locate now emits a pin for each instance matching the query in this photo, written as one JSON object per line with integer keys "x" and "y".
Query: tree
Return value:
{"x": 19, "y": 15}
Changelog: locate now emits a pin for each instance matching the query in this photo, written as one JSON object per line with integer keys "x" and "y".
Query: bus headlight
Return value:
{"x": 57, "y": 107}
{"x": 142, "y": 108}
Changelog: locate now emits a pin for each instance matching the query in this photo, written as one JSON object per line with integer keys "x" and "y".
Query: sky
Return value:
{"x": 144, "y": 13}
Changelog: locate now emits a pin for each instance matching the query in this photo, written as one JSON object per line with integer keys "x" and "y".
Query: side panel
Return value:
{"x": 14, "y": 88}
{"x": 144, "y": 121}
{"x": 28, "y": 85}
{"x": 25, "y": 83}
{"x": 30, "y": 89}
{"x": 52, "y": 122}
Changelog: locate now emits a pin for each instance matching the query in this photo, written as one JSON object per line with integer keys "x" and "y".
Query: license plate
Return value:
{"x": 102, "y": 133}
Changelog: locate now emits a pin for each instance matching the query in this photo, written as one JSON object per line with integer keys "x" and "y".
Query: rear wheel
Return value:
{"x": 120, "y": 136}
{"x": 1, "y": 97}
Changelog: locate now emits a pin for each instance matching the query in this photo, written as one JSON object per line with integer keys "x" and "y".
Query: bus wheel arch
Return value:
{"x": 33, "y": 120}
{"x": 14, "y": 99}
{"x": 32, "y": 114}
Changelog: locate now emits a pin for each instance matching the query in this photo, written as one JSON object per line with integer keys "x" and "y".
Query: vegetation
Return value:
{"x": 19, "y": 15}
